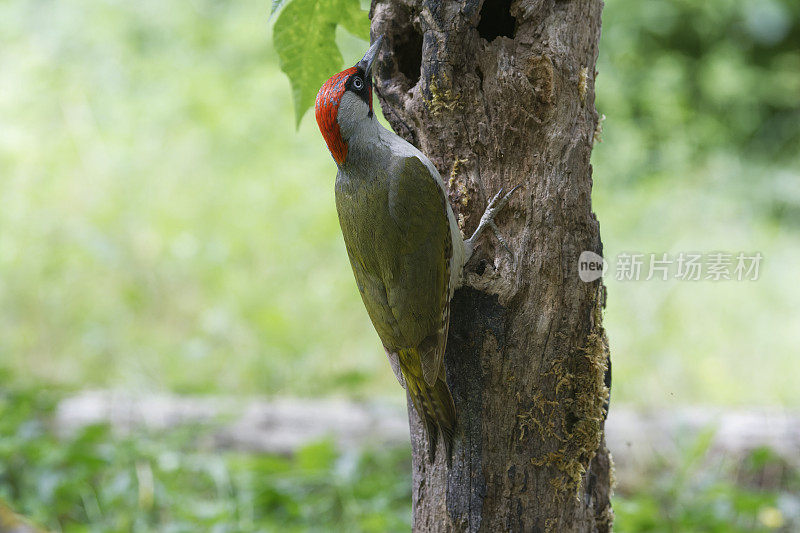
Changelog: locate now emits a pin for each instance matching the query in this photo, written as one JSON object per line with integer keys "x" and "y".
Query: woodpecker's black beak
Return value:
{"x": 366, "y": 62}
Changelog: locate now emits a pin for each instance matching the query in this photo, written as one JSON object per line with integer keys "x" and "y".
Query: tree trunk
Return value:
{"x": 500, "y": 93}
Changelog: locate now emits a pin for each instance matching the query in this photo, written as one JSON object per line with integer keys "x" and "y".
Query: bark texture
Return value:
{"x": 499, "y": 93}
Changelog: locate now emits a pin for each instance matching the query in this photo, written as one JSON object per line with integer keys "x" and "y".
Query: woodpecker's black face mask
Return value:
{"x": 360, "y": 83}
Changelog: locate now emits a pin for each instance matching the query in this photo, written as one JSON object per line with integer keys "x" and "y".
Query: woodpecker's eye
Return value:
{"x": 358, "y": 83}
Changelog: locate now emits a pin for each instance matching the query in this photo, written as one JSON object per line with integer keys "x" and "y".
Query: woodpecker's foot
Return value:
{"x": 487, "y": 221}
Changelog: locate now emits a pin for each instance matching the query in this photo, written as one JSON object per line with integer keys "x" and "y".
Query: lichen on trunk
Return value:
{"x": 501, "y": 93}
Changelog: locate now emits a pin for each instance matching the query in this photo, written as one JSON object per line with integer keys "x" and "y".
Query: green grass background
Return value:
{"x": 99, "y": 481}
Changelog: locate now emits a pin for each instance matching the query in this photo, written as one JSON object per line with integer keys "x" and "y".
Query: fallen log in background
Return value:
{"x": 635, "y": 437}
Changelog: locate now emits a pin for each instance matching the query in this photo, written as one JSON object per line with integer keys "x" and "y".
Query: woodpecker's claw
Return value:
{"x": 498, "y": 202}
{"x": 487, "y": 220}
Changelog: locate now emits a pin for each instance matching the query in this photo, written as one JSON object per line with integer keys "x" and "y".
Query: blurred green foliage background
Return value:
{"x": 163, "y": 226}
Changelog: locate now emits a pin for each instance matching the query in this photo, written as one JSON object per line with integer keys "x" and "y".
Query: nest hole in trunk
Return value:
{"x": 496, "y": 20}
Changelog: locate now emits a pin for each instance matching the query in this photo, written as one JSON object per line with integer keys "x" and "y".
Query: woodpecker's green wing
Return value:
{"x": 399, "y": 244}
{"x": 420, "y": 206}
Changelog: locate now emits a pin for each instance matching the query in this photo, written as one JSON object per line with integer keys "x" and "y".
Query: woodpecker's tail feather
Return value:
{"x": 434, "y": 404}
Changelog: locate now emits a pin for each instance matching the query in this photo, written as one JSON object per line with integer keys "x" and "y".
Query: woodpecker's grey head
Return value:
{"x": 345, "y": 101}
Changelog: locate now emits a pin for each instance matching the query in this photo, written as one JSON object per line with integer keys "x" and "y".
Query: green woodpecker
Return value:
{"x": 402, "y": 239}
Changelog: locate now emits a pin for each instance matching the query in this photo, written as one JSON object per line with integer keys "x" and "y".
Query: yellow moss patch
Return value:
{"x": 575, "y": 421}
{"x": 456, "y": 184}
{"x": 528, "y": 420}
{"x": 583, "y": 83}
{"x": 454, "y": 169}
{"x": 442, "y": 100}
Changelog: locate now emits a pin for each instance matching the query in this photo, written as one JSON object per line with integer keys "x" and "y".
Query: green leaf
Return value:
{"x": 305, "y": 39}
{"x": 356, "y": 21}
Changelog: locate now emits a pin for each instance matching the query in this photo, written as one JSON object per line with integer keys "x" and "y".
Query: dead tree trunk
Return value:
{"x": 499, "y": 93}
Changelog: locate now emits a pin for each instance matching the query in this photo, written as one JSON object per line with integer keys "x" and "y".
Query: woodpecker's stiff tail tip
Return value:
{"x": 447, "y": 436}
{"x": 446, "y": 417}
{"x": 432, "y": 432}
{"x": 444, "y": 428}
{"x": 435, "y": 407}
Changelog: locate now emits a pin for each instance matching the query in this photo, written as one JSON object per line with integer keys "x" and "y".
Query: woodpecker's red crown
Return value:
{"x": 358, "y": 80}
{"x": 327, "y": 107}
